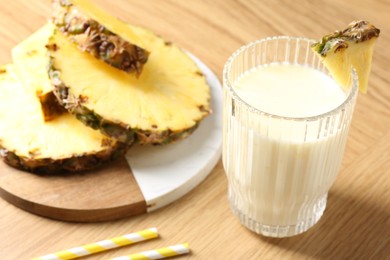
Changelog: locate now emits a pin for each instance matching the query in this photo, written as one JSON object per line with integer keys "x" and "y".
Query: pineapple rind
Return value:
{"x": 96, "y": 39}
{"x": 30, "y": 157}
{"x": 357, "y": 31}
{"x": 74, "y": 163}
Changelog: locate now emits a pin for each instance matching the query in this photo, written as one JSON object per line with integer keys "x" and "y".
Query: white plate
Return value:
{"x": 166, "y": 173}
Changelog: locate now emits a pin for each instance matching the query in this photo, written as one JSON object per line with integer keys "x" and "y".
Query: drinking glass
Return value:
{"x": 280, "y": 169}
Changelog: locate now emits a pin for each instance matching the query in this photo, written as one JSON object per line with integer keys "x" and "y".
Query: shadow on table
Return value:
{"x": 349, "y": 229}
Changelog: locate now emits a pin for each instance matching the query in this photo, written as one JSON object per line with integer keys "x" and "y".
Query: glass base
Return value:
{"x": 282, "y": 231}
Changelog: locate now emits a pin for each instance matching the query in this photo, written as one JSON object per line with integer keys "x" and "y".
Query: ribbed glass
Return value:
{"x": 280, "y": 169}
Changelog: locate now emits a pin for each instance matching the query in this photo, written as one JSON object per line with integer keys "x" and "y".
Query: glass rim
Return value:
{"x": 227, "y": 84}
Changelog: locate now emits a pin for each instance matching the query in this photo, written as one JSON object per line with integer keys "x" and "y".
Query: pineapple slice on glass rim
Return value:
{"x": 350, "y": 48}
{"x": 166, "y": 103}
{"x": 97, "y": 32}
{"x": 29, "y": 143}
{"x": 30, "y": 58}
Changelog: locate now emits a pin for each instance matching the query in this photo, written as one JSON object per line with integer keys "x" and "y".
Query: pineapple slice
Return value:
{"x": 100, "y": 34}
{"x": 30, "y": 58}
{"x": 352, "y": 47}
{"x": 29, "y": 143}
{"x": 164, "y": 104}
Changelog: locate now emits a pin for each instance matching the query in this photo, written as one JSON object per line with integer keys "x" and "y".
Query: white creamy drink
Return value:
{"x": 289, "y": 90}
{"x": 280, "y": 169}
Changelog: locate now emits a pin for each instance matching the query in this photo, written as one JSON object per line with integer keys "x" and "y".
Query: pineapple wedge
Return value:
{"x": 100, "y": 34}
{"x": 29, "y": 143}
{"x": 30, "y": 58}
{"x": 352, "y": 47}
{"x": 164, "y": 104}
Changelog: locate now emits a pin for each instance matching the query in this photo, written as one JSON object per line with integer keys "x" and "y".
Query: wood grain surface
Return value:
{"x": 356, "y": 224}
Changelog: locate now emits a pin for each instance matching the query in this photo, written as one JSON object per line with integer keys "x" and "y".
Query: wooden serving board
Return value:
{"x": 158, "y": 176}
{"x": 105, "y": 194}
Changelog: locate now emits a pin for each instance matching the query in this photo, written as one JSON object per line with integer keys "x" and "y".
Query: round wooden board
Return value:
{"x": 105, "y": 194}
{"x": 159, "y": 176}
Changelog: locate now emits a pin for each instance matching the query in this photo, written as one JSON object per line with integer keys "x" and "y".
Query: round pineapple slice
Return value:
{"x": 100, "y": 34}
{"x": 352, "y": 47}
{"x": 29, "y": 143}
{"x": 165, "y": 103}
{"x": 30, "y": 65}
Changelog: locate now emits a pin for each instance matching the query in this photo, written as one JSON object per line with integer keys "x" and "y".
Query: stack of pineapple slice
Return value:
{"x": 86, "y": 87}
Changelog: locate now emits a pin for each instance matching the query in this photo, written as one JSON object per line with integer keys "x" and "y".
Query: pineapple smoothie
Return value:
{"x": 284, "y": 139}
{"x": 282, "y": 169}
{"x": 288, "y": 106}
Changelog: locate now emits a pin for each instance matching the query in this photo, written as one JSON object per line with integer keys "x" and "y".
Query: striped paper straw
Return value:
{"x": 160, "y": 253}
{"x": 103, "y": 245}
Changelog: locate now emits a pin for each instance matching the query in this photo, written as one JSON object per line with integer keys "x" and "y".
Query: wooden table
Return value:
{"x": 356, "y": 224}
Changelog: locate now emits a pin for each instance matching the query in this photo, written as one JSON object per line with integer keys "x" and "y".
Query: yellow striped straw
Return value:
{"x": 101, "y": 246}
{"x": 160, "y": 253}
